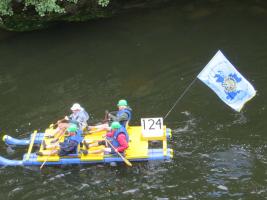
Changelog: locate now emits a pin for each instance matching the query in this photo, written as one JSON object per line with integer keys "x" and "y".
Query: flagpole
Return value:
{"x": 180, "y": 97}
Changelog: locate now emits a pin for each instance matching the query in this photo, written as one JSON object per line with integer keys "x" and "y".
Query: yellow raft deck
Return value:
{"x": 139, "y": 147}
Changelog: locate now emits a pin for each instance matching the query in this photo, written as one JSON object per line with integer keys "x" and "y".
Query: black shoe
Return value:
{"x": 44, "y": 145}
{"x": 82, "y": 151}
{"x": 39, "y": 153}
{"x": 86, "y": 145}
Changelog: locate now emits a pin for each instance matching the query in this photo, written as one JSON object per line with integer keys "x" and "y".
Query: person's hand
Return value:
{"x": 66, "y": 118}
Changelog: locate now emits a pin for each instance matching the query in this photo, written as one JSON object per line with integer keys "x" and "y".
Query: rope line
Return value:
{"x": 180, "y": 97}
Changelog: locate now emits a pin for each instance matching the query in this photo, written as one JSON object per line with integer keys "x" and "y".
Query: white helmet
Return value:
{"x": 76, "y": 106}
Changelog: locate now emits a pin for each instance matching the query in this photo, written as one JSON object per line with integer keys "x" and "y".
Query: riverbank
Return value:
{"x": 32, "y": 15}
{"x": 21, "y": 16}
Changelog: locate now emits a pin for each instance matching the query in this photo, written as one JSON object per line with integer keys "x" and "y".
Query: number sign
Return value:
{"x": 152, "y": 127}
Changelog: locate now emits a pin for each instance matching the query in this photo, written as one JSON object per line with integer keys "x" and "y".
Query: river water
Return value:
{"x": 148, "y": 57}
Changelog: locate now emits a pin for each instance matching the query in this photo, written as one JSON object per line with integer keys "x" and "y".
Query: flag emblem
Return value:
{"x": 229, "y": 83}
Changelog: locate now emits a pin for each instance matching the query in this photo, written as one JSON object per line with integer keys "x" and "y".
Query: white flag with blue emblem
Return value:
{"x": 222, "y": 77}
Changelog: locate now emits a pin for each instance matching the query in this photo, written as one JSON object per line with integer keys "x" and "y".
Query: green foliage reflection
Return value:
{"x": 42, "y": 7}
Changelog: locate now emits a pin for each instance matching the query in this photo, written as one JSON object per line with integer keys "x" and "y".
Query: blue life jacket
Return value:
{"x": 77, "y": 138}
{"x": 128, "y": 112}
{"x": 114, "y": 140}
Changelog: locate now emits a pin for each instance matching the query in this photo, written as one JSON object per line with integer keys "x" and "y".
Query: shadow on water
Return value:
{"x": 149, "y": 58}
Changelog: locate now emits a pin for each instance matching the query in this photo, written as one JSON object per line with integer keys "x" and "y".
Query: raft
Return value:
{"x": 140, "y": 148}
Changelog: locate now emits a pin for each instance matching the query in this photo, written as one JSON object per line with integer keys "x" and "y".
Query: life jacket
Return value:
{"x": 77, "y": 137}
{"x": 128, "y": 112}
{"x": 114, "y": 138}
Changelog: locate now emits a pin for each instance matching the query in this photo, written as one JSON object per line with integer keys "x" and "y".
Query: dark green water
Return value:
{"x": 148, "y": 57}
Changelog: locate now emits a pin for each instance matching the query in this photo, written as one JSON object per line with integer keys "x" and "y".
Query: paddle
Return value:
{"x": 104, "y": 121}
{"x": 123, "y": 158}
{"x": 31, "y": 145}
{"x": 58, "y": 122}
{"x": 54, "y": 126}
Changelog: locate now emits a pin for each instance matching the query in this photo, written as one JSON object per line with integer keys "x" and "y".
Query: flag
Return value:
{"x": 222, "y": 77}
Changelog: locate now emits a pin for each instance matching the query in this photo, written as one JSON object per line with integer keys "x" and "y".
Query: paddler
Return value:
{"x": 118, "y": 137}
{"x": 123, "y": 116}
{"x": 68, "y": 146}
{"x": 78, "y": 116}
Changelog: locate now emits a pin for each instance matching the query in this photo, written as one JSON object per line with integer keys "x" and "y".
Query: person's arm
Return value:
{"x": 110, "y": 133}
{"x": 111, "y": 117}
{"x": 123, "y": 143}
{"x": 70, "y": 116}
{"x": 70, "y": 119}
{"x": 121, "y": 118}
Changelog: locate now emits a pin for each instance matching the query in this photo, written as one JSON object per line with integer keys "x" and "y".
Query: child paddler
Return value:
{"x": 69, "y": 145}
{"x": 118, "y": 137}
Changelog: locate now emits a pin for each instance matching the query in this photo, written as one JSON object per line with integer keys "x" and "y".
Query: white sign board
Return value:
{"x": 152, "y": 127}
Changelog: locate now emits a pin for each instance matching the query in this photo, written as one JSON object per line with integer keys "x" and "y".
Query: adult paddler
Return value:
{"x": 79, "y": 116}
{"x": 123, "y": 116}
{"x": 124, "y": 113}
{"x": 70, "y": 144}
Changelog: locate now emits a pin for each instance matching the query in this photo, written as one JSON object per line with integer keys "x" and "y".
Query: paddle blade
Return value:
{"x": 127, "y": 162}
